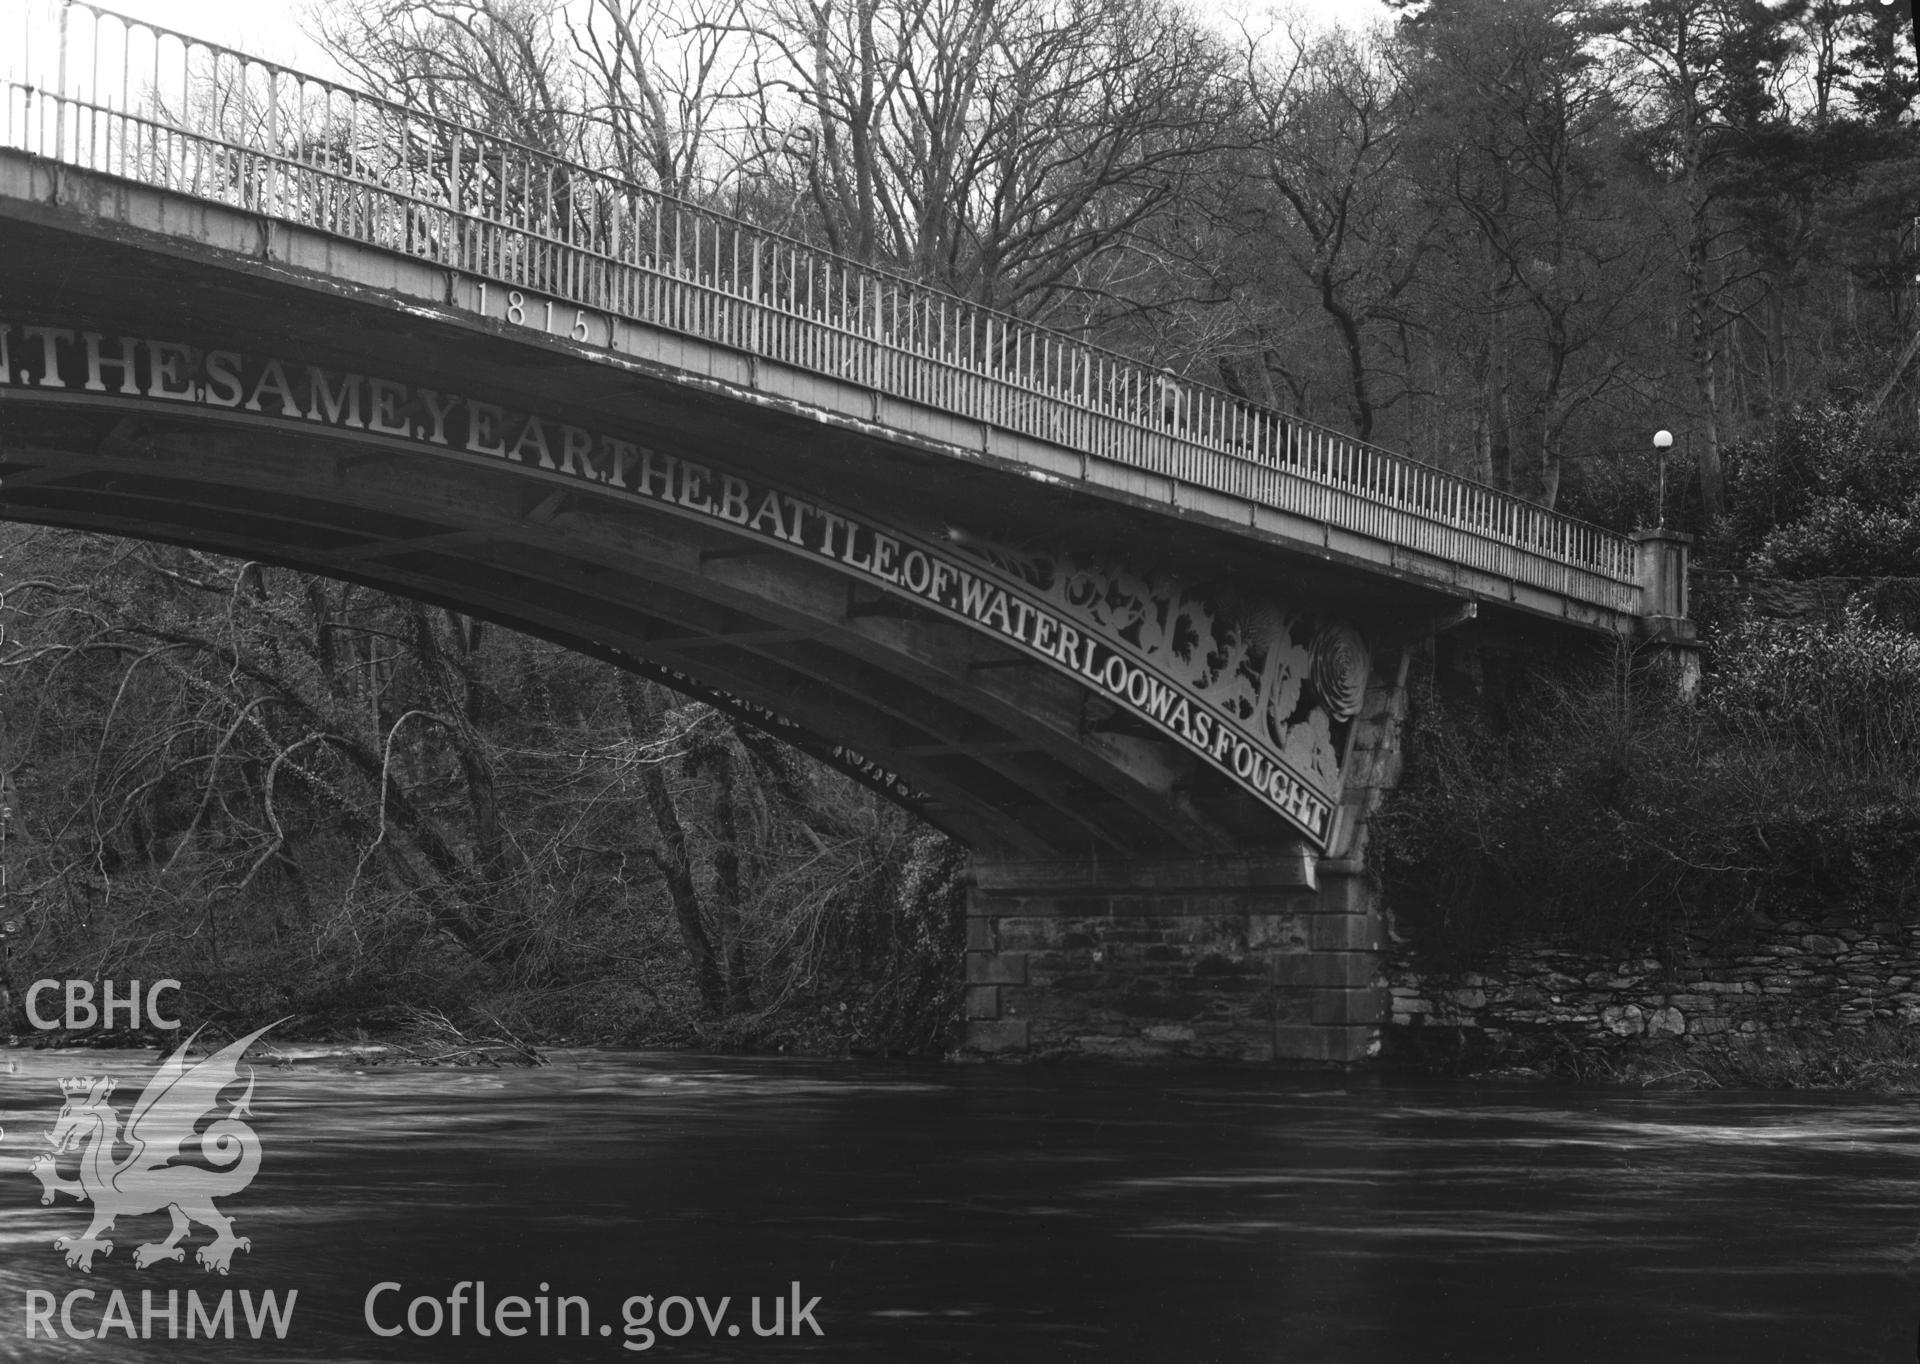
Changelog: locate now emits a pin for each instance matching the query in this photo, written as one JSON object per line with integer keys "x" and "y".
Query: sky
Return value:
{"x": 261, "y": 28}
{"x": 272, "y": 29}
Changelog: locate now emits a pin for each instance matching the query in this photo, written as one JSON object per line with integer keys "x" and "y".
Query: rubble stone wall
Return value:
{"x": 1809, "y": 976}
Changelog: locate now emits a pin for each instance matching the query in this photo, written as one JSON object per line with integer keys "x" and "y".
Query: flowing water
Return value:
{"x": 940, "y": 1212}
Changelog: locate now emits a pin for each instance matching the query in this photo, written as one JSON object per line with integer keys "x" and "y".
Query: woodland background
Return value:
{"x": 1508, "y": 237}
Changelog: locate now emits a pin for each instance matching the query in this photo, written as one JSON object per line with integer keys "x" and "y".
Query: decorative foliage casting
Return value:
{"x": 1289, "y": 681}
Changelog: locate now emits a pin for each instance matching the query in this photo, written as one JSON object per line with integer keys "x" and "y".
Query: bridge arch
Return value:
{"x": 1032, "y": 694}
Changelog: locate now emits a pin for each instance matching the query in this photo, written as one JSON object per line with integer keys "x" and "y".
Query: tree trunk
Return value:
{"x": 1700, "y": 303}
{"x": 726, "y": 875}
{"x": 1713, "y": 494}
{"x": 672, "y": 858}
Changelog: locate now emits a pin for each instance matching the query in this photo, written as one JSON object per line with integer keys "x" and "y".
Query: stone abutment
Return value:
{"x": 1270, "y": 955}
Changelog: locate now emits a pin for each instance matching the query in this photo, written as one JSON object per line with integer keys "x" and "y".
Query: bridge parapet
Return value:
{"x": 572, "y": 248}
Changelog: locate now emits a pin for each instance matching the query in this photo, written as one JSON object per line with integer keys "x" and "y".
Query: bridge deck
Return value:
{"x": 575, "y": 254}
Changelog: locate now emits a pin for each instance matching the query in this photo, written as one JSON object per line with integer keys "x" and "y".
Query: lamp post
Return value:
{"x": 1663, "y": 442}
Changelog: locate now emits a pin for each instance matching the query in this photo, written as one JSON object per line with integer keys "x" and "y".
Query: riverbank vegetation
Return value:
{"x": 1603, "y": 812}
{"x": 1878, "y": 1057}
{"x": 1600, "y": 806}
{"x": 307, "y": 798}
{"x": 1508, "y": 237}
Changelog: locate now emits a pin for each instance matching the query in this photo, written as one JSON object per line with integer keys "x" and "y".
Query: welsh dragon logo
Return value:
{"x": 159, "y": 1137}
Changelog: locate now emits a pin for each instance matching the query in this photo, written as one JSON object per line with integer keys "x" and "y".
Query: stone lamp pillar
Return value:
{"x": 1661, "y": 568}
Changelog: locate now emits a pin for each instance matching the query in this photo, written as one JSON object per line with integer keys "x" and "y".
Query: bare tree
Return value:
{"x": 495, "y": 67}
{"x": 1324, "y": 192}
{"x": 1010, "y": 150}
{"x": 665, "y": 94}
{"x": 234, "y": 769}
{"x": 1706, "y": 72}
{"x": 1522, "y": 144}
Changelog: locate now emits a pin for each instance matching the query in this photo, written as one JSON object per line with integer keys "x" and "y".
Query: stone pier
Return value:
{"x": 1266, "y": 954}
{"x": 1258, "y": 956}
{"x": 1241, "y": 958}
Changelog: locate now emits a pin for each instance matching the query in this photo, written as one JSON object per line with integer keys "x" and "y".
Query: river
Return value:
{"x": 977, "y": 1213}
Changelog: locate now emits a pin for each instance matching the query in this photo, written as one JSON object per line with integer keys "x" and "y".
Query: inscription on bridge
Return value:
{"x": 589, "y": 327}
{"x": 1257, "y": 694}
